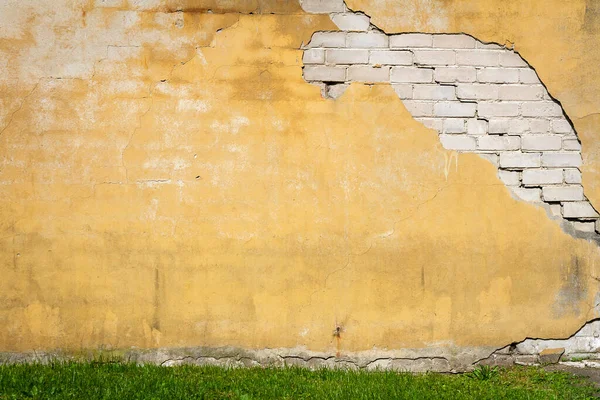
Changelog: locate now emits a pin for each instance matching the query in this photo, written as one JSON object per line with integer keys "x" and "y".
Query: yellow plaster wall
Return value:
{"x": 168, "y": 179}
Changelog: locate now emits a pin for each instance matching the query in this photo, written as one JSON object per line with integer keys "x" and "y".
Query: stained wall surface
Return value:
{"x": 168, "y": 179}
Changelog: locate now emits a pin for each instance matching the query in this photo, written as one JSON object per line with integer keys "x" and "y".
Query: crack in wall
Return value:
{"x": 481, "y": 98}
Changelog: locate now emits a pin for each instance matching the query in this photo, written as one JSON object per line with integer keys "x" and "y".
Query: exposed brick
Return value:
{"x": 499, "y": 143}
{"x": 434, "y": 92}
{"x": 541, "y": 109}
{"x": 571, "y": 144}
{"x": 498, "y": 126}
{"x": 561, "y": 160}
{"x": 391, "y": 57}
{"x": 479, "y": 58}
{"x": 572, "y": 175}
{"x": 537, "y": 125}
{"x": 335, "y": 91}
{"x": 367, "y": 40}
{"x": 408, "y": 40}
{"x": 563, "y": 193}
{"x": 347, "y": 56}
{"x": 525, "y": 194}
{"x": 541, "y": 142}
{"x": 454, "y": 109}
{"x": 561, "y": 126}
{"x": 510, "y": 59}
{"x": 538, "y": 177}
{"x": 588, "y": 227}
{"x": 351, "y": 21}
{"x": 454, "y": 125}
{"x": 458, "y": 142}
{"x": 580, "y": 209}
{"x": 476, "y": 91}
{"x": 412, "y": 74}
{"x": 404, "y": 91}
{"x": 527, "y": 75}
{"x": 419, "y": 108}
{"x": 434, "y": 57}
{"x": 477, "y": 127}
{"x": 521, "y": 92}
{"x": 498, "y": 75}
{"x": 365, "y": 73}
{"x": 325, "y": 74}
{"x": 455, "y": 74}
{"x": 432, "y": 123}
{"x": 453, "y": 42}
{"x": 520, "y": 160}
{"x": 313, "y": 56}
{"x": 518, "y": 126}
{"x": 328, "y": 39}
{"x": 491, "y": 157}
{"x": 489, "y": 110}
{"x": 510, "y": 178}
{"x": 322, "y": 6}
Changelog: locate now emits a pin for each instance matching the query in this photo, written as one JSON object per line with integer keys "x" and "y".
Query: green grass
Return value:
{"x": 106, "y": 380}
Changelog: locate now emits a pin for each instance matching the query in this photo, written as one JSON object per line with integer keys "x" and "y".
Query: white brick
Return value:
{"x": 479, "y": 58}
{"x": 499, "y": 143}
{"x": 541, "y": 142}
{"x": 347, "y": 56}
{"x": 510, "y": 178}
{"x": 580, "y": 209}
{"x": 498, "y": 75}
{"x": 527, "y": 75}
{"x": 454, "y": 109}
{"x": 458, "y": 142}
{"x": 367, "y": 40}
{"x": 477, "y": 91}
{"x": 561, "y": 126}
{"x": 419, "y": 108}
{"x": 531, "y": 195}
{"x": 391, "y": 57}
{"x": 561, "y": 160}
{"x": 455, "y": 74}
{"x": 364, "y": 73}
{"x": 432, "y": 123}
{"x": 453, "y": 41}
{"x": 335, "y": 91}
{"x": 477, "y": 127}
{"x": 563, "y": 193}
{"x": 537, "y": 125}
{"x": 408, "y": 40}
{"x": 521, "y": 92}
{"x": 518, "y": 126}
{"x": 541, "y": 109}
{"x": 404, "y": 91}
{"x": 434, "y": 92}
{"x": 313, "y": 56}
{"x": 351, "y": 21}
{"x": 572, "y": 175}
{"x": 510, "y": 59}
{"x": 325, "y": 74}
{"x": 588, "y": 227}
{"x": 322, "y": 6}
{"x": 412, "y": 74}
{"x": 328, "y": 39}
{"x": 520, "y": 160}
{"x": 434, "y": 57}
{"x": 454, "y": 125}
{"x": 498, "y": 126}
{"x": 488, "y": 110}
{"x": 538, "y": 177}
{"x": 571, "y": 144}
{"x": 555, "y": 210}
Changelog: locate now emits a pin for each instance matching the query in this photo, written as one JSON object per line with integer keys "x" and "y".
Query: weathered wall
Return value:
{"x": 169, "y": 179}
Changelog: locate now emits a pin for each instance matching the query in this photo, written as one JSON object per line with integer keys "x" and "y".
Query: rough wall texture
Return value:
{"x": 170, "y": 181}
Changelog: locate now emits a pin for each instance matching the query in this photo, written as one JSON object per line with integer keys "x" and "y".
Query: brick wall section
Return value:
{"x": 480, "y": 98}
